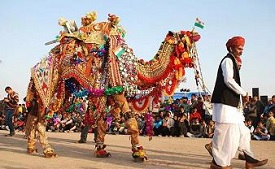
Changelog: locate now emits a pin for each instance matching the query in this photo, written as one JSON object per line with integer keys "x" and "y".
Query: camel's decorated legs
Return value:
{"x": 35, "y": 126}
{"x": 100, "y": 146}
{"x": 132, "y": 129}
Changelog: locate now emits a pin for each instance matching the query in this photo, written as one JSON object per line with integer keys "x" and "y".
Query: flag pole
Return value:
{"x": 193, "y": 29}
{"x": 198, "y": 66}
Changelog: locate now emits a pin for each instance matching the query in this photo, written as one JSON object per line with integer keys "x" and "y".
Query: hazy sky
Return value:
{"x": 27, "y": 25}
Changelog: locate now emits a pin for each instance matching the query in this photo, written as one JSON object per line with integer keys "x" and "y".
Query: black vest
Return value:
{"x": 222, "y": 93}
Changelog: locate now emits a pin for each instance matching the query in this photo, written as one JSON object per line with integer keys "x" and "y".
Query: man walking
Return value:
{"x": 11, "y": 103}
{"x": 230, "y": 132}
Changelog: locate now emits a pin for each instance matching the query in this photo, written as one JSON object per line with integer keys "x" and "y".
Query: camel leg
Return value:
{"x": 122, "y": 101}
{"x": 132, "y": 128}
{"x": 35, "y": 128}
{"x": 101, "y": 132}
{"x": 48, "y": 151}
{"x": 30, "y": 133}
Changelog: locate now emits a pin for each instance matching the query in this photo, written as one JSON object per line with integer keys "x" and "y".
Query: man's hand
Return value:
{"x": 6, "y": 100}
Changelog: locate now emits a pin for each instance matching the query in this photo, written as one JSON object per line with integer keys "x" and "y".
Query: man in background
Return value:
{"x": 11, "y": 105}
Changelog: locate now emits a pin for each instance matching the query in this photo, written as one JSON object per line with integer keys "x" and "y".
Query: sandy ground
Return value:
{"x": 163, "y": 152}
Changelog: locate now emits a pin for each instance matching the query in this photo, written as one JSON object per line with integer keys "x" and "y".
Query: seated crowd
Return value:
{"x": 176, "y": 118}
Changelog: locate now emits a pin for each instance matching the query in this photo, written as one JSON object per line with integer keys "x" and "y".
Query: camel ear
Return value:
{"x": 170, "y": 33}
{"x": 75, "y": 26}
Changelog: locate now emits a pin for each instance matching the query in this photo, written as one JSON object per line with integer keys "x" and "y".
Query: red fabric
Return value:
{"x": 235, "y": 41}
{"x": 195, "y": 115}
{"x": 200, "y": 108}
{"x": 239, "y": 60}
{"x": 19, "y": 123}
{"x": 88, "y": 120}
{"x": 28, "y": 104}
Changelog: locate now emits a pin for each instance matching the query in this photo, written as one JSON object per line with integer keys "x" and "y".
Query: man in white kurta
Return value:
{"x": 230, "y": 132}
{"x": 229, "y": 121}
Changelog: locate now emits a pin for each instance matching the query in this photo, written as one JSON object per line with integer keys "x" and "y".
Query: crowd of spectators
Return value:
{"x": 172, "y": 118}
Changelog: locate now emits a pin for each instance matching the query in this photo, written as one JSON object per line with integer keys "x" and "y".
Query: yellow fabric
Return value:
{"x": 20, "y": 109}
{"x": 37, "y": 130}
{"x": 271, "y": 126}
{"x": 122, "y": 101}
{"x": 133, "y": 130}
{"x": 101, "y": 130}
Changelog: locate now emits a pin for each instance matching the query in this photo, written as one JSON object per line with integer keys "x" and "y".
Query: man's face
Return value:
{"x": 9, "y": 91}
{"x": 246, "y": 98}
{"x": 237, "y": 51}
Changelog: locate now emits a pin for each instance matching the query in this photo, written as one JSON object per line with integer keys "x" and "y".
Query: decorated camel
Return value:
{"x": 95, "y": 61}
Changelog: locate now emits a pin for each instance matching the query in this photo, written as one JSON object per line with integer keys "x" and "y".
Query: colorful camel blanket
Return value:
{"x": 42, "y": 74}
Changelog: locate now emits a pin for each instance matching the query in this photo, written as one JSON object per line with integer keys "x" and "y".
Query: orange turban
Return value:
{"x": 235, "y": 41}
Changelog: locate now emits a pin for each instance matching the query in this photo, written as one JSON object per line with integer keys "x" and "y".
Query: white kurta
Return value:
{"x": 230, "y": 132}
{"x": 224, "y": 113}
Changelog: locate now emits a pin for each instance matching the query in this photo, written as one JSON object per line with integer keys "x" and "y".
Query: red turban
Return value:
{"x": 235, "y": 41}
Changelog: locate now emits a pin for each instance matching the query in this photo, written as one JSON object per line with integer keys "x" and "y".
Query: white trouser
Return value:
{"x": 228, "y": 138}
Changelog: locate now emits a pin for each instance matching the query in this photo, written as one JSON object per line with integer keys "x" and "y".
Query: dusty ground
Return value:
{"x": 163, "y": 152}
